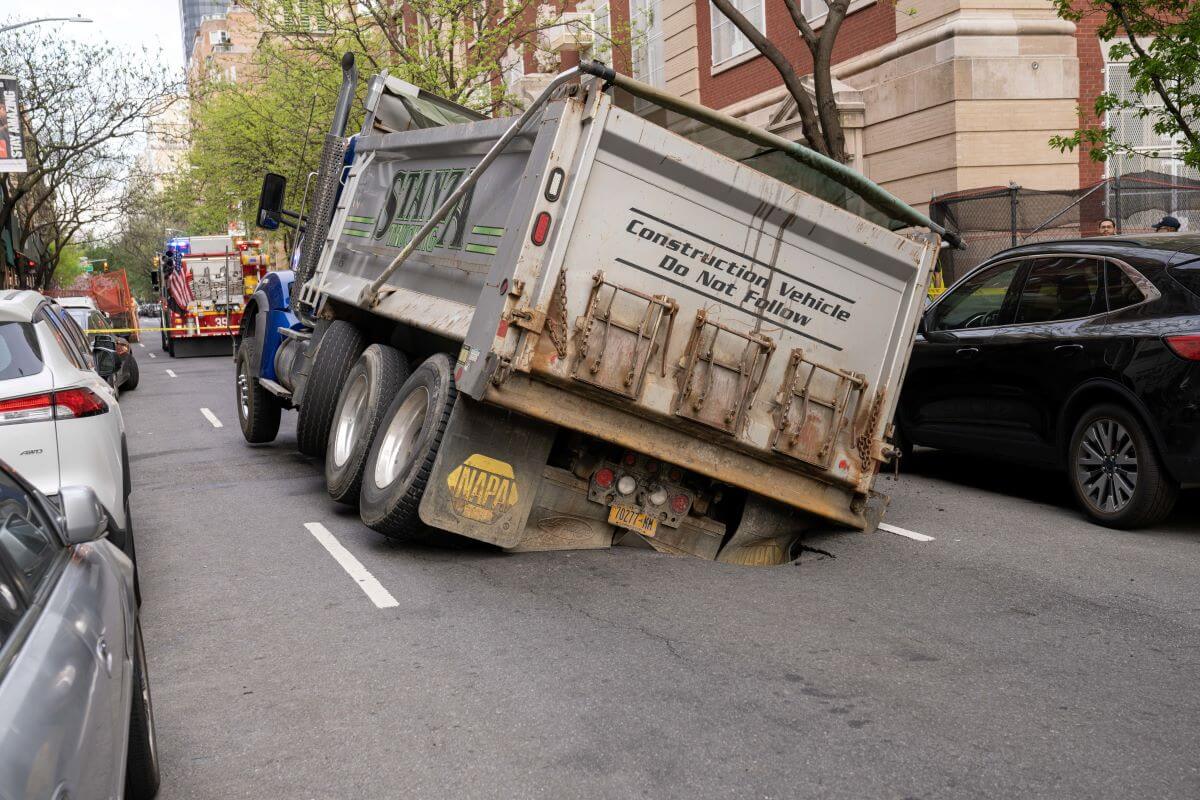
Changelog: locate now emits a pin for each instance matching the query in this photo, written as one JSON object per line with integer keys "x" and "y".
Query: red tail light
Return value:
{"x": 604, "y": 477}
{"x": 78, "y": 403}
{"x": 680, "y": 503}
{"x": 67, "y": 404}
{"x": 541, "y": 227}
{"x": 1186, "y": 345}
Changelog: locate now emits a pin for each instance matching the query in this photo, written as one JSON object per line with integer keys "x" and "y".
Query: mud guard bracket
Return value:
{"x": 487, "y": 473}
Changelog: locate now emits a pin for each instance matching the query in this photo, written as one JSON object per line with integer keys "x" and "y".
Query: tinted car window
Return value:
{"x": 19, "y": 351}
{"x": 25, "y": 536}
{"x": 60, "y": 336}
{"x": 1060, "y": 289}
{"x": 72, "y": 338}
{"x": 976, "y": 303}
{"x": 1122, "y": 291}
{"x": 1188, "y": 275}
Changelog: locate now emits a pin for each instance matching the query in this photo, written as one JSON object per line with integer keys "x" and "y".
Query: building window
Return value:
{"x": 645, "y": 18}
{"x": 602, "y": 33}
{"x": 1138, "y": 131}
{"x": 813, "y": 9}
{"x": 727, "y": 40}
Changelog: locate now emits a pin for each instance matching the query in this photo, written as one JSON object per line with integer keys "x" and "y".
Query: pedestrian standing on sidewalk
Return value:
{"x": 1167, "y": 224}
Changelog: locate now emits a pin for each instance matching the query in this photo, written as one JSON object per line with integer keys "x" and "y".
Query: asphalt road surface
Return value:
{"x": 1021, "y": 652}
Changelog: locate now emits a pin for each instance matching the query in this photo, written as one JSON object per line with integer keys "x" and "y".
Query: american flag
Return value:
{"x": 178, "y": 285}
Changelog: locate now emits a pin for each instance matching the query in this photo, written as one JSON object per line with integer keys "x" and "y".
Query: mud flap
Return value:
{"x": 487, "y": 473}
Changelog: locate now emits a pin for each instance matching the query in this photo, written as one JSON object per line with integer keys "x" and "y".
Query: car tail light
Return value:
{"x": 603, "y": 478}
{"x": 35, "y": 408}
{"x": 541, "y": 227}
{"x": 75, "y": 403}
{"x": 1186, "y": 345}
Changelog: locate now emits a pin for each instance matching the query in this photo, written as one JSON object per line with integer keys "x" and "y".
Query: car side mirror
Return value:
{"x": 921, "y": 327}
{"x": 84, "y": 518}
{"x": 104, "y": 353}
{"x": 270, "y": 201}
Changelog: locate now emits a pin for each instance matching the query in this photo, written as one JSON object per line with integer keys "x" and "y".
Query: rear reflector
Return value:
{"x": 35, "y": 408}
{"x": 541, "y": 227}
{"x": 1186, "y": 345}
{"x": 67, "y": 404}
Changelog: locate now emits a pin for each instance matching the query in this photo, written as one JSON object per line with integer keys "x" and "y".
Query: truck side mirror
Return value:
{"x": 270, "y": 201}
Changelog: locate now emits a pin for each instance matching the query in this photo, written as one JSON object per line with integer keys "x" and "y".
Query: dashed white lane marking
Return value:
{"x": 919, "y": 537}
{"x": 171, "y": 372}
{"x": 141, "y": 345}
{"x": 153, "y": 356}
{"x": 211, "y": 417}
{"x": 380, "y": 596}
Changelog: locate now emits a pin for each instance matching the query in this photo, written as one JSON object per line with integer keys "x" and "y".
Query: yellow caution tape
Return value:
{"x": 229, "y": 328}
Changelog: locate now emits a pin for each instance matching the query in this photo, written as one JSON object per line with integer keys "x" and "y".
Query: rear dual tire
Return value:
{"x": 337, "y": 350}
{"x": 402, "y": 454}
{"x": 374, "y": 380}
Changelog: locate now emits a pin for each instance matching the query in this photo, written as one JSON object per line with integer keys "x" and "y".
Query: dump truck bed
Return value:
{"x": 610, "y": 276}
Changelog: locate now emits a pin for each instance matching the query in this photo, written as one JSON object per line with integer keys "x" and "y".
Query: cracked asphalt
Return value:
{"x": 1022, "y": 653}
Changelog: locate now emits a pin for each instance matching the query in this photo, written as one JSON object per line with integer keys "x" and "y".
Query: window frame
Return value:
{"x": 1028, "y": 271}
{"x": 714, "y": 14}
{"x": 655, "y": 37}
{"x": 1008, "y": 297}
{"x": 1149, "y": 291}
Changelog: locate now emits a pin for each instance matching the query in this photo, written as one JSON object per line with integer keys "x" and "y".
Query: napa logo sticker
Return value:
{"x": 482, "y": 488}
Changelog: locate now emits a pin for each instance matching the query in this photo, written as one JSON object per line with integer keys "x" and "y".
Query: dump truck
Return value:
{"x": 203, "y": 283}
{"x": 578, "y": 328}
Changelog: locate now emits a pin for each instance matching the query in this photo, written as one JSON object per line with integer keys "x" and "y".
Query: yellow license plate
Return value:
{"x": 632, "y": 519}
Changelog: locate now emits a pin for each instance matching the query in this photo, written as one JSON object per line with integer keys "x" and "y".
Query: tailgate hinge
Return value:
{"x": 531, "y": 319}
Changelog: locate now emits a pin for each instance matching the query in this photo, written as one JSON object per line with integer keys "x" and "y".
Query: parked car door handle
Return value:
{"x": 1067, "y": 349}
{"x": 967, "y": 352}
{"x": 105, "y": 655}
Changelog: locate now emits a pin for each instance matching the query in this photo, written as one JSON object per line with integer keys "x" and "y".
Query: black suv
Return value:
{"x": 1083, "y": 355}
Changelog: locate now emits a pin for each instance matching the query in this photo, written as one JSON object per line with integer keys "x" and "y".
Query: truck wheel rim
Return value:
{"x": 1106, "y": 466}
{"x": 400, "y": 438}
{"x": 349, "y": 420}
{"x": 243, "y": 387}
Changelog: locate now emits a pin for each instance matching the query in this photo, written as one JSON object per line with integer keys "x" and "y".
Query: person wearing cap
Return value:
{"x": 1167, "y": 224}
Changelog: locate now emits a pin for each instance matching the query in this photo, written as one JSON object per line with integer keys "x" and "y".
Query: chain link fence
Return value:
{"x": 990, "y": 220}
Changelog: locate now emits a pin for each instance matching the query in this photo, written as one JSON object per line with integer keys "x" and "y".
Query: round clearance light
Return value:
{"x": 627, "y": 484}
{"x": 603, "y": 478}
{"x": 680, "y": 503}
{"x": 658, "y": 497}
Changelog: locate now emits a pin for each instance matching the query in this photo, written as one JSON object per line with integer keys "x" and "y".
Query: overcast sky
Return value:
{"x": 130, "y": 24}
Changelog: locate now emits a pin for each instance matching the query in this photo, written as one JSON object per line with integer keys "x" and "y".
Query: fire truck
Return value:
{"x": 203, "y": 283}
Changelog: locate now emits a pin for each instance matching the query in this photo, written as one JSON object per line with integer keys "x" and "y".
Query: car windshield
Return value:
{"x": 19, "y": 351}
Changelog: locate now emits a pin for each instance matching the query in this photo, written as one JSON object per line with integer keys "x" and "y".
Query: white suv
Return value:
{"x": 60, "y": 424}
